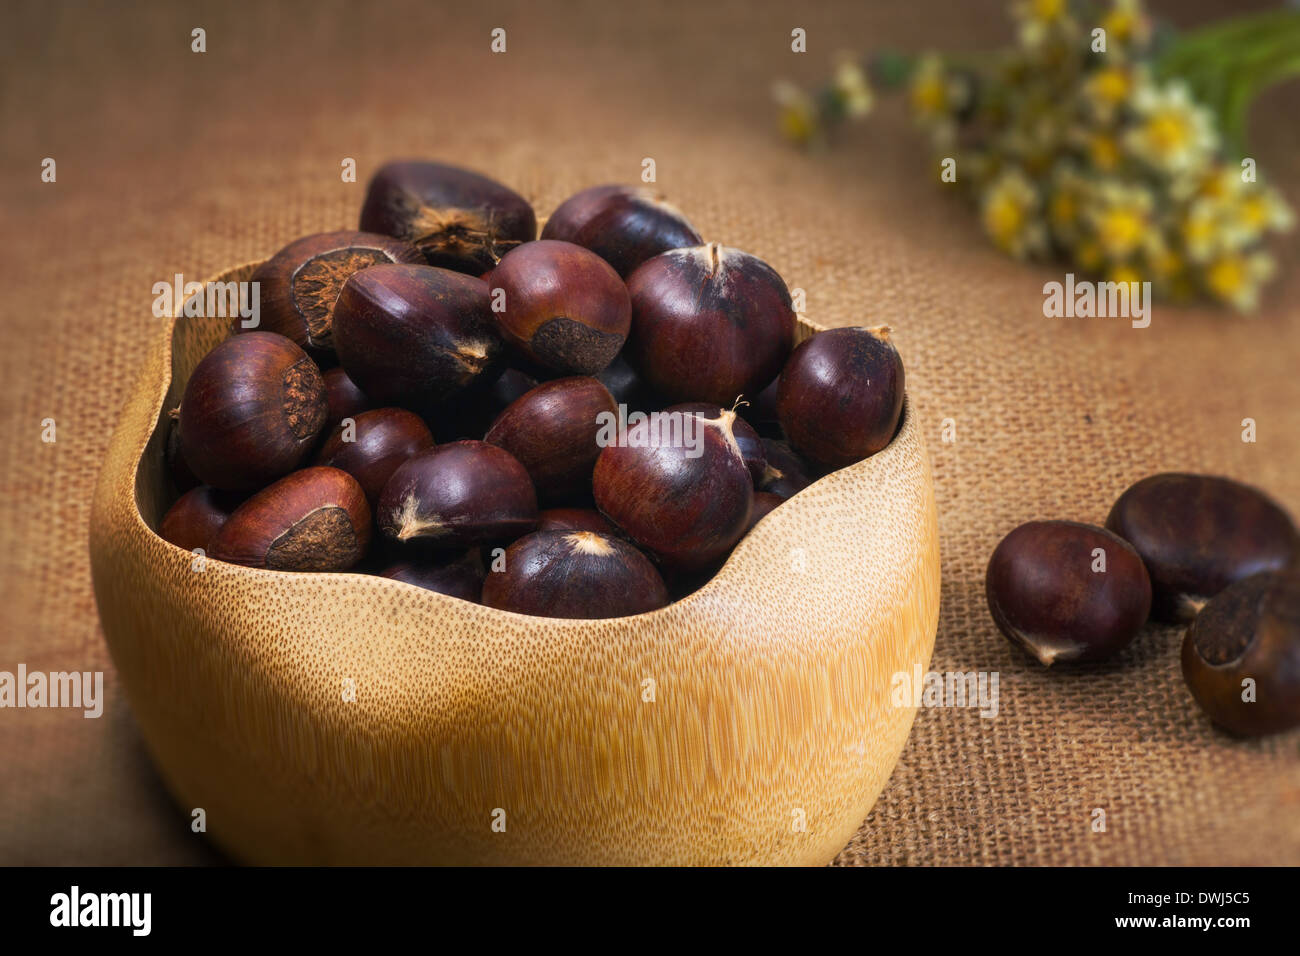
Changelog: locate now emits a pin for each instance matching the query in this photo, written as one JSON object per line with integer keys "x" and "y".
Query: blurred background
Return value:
{"x": 174, "y": 161}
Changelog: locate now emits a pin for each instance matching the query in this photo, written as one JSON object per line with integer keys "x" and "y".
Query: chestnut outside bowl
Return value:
{"x": 749, "y": 723}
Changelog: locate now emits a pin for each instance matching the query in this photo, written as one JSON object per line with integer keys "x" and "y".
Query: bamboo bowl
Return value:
{"x": 749, "y": 723}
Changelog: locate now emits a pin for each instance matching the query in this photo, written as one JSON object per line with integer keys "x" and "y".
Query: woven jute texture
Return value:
{"x": 170, "y": 161}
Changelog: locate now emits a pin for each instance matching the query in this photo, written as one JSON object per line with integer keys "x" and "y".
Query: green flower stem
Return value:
{"x": 1189, "y": 48}
{"x": 1228, "y": 64}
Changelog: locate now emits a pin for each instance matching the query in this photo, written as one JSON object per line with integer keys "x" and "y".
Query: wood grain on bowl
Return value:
{"x": 749, "y": 723}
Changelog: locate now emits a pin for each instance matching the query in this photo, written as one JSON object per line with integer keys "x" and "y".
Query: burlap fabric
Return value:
{"x": 172, "y": 161}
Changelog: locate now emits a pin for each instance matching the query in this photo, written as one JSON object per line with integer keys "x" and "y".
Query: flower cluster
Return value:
{"x": 1075, "y": 144}
{"x": 848, "y": 96}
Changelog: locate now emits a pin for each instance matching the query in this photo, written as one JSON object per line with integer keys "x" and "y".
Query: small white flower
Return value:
{"x": 1172, "y": 134}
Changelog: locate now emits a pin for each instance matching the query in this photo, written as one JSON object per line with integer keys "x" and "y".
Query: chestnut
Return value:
{"x": 840, "y": 395}
{"x": 574, "y": 519}
{"x": 1199, "y": 533}
{"x": 300, "y": 284}
{"x": 182, "y": 478}
{"x": 251, "y": 411}
{"x": 785, "y": 474}
{"x": 761, "y": 412}
{"x": 374, "y": 446}
{"x": 627, "y": 386}
{"x": 1249, "y": 630}
{"x": 459, "y": 219}
{"x": 553, "y": 431}
{"x": 196, "y": 516}
{"x": 471, "y": 412}
{"x": 564, "y": 307}
{"x": 512, "y": 384}
{"x": 751, "y": 446}
{"x": 764, "y": 504}
{"x": 458, "y": 495}
{"x": 574, "y": 574}
{"x": 686, "y": 497}
{"x": 343, "y": 398}
{"x": 315, "y": 519}
{"x": 459, "y": 576}
{"x": 414, "y": 335}
{"x": 709, "y": 323}
{"x": 1067, "y": 591}
{"x": 624, "y": 225}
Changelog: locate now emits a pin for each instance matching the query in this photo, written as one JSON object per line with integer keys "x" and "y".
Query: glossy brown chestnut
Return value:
{"x": 1199, "y": 533}
{"x": 458, "y": 495}
{"x": 840, "y": 395}
{"x": 414, "y": 335}
{"x": 343, "y": 398}
{"x": 315, "y": 519}
{"x": 561, "y": 305}
{"x": 785, "y": 473}
{"x": 459, "y": 219}
{"x": 459, "y": 576}
{"x": 251, "y": 411}
{"x": 751, "y": 446}
{"x": 553, "y": 431}
{"x": 1066, "y": 591}
{"x": 574, "y": 519}
{"x": 196, "y": 516}
{"x": 682, "y": 493}
{"x": 624, "y": 225}
{"x": 1241, "y": 655}
{"x": 574, "y": 574}
{"x": 709, "y": 324}
{"x": 764, "y": 504}
{"x": 299, "y": 285}
{"x": 372, "y": 447}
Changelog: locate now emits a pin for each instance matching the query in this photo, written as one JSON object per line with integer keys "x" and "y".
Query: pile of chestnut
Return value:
{"x": 1179, "y": 548}
{"x": 429, "y": 398}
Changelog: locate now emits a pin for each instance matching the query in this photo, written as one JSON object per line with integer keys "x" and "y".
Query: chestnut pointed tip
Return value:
{"x": 409, "y": 523}
{"x": 726, "y": 424}
{"x": 1046, "y": 651}
{"x": 475, "y": 355}
{"x": 1043, "y": 648}
{"x": 588, "y": 542}
{"x": 713, "y": 251}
